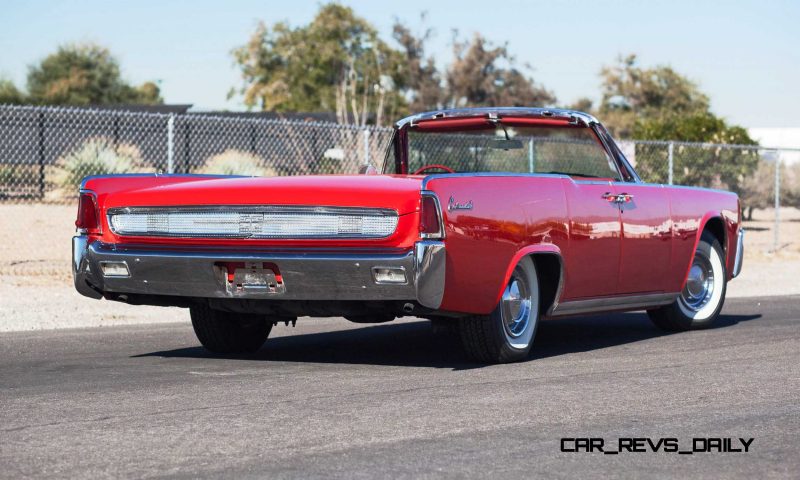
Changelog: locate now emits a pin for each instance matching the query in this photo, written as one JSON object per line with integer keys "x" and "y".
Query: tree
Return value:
{"x": 85, "y": 74}
{"x": 632, "y": 93}
{"x": 484, "y": 75}
{"x": 583, "y": 104}
{"x": 336, "y": 62}
{"x": 661, "y": 104}
{"x": 424, "y": 85}
{"x": 708, "y": 166}
{"x": 9, "y": 93}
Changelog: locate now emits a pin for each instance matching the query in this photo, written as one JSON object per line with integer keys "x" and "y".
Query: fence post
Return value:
{"x": 41, "y": 155}
{"x": 366, "y": 146}
{"x": 777, "y": 201}
{"x": 171, "y": 143}
{"x": 253, "y": 137}
{"x": 671, "y": 162}
{"x": 116, "y": 133}
{"x": 187, "y": 146}
{"x": 531, "y": 156}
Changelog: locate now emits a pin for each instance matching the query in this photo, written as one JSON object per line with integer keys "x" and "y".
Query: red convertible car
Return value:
{"x": 490, "y": 219}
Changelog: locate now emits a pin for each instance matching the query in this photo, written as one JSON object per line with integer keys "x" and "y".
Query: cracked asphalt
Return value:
{"x": 334, "y": 399}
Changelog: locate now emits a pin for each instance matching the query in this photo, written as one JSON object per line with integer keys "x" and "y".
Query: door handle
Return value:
{"x": 624, "y": 198}
{"x": 621, "y": 198}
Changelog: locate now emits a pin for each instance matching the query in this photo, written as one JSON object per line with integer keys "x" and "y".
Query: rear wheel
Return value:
{"x": 229, "y": 332}
{"x": 701, "y": 300}
{"x": 506, "y": 335}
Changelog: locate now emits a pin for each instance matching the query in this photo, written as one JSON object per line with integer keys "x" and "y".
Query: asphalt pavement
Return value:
{"x": 334, "y": 399}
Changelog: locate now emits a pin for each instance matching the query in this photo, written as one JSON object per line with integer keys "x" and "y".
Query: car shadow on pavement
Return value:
{"x": 416, "y": 344}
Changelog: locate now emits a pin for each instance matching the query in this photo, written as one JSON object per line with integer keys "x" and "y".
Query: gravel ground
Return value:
{"x": 331, "y": 399}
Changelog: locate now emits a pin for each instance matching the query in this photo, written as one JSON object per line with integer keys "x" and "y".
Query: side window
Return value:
{"x": 627, "y": 174}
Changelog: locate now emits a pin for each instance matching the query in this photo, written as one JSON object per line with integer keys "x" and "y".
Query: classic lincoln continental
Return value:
{"x": 487, "y": 219}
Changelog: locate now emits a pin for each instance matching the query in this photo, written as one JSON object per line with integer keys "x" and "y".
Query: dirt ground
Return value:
{"x": 35, "y": 254}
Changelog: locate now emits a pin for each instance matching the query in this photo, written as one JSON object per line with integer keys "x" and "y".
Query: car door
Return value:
{"x": 593, "y": 257}
{"x": 646, "y": 237}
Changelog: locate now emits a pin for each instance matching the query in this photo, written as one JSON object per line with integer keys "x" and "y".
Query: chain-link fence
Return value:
{"x": 46, "y": 151}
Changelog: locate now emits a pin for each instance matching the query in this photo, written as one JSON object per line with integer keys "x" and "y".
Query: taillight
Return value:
{"x": 88, "y": 218}
{"x": 430, "y": 217}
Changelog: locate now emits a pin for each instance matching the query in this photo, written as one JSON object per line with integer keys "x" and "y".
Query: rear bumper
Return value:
{"x": 305, "y": 276}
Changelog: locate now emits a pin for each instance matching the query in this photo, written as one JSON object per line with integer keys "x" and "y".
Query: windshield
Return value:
{"x": 570, "y": 150}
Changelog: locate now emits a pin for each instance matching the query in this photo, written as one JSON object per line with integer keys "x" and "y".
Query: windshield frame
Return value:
{"x": 397, "y": 150}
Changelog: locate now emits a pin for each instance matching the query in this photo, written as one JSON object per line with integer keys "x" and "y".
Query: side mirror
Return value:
{"x": 367, "y": 170}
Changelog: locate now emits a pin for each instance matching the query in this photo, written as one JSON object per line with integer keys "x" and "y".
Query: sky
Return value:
{"x": 743, "y": 54}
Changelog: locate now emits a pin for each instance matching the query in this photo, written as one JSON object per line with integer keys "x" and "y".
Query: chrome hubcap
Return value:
{"x": 516, "y": 305}
{"x": 700, "y": 284}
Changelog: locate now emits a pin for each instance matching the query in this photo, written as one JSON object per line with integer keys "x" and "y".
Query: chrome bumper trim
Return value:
{"x": 429, "y": 260}
{"x": 737, "y": 263}
{"x": 306, "y": 276}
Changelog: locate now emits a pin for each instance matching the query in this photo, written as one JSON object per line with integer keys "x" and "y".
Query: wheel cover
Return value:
{"x": 699, "y": 287}
{"x": 516, "y": 305}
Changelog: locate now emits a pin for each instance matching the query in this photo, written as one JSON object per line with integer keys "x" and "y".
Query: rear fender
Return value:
{"x": 535, "y": 250}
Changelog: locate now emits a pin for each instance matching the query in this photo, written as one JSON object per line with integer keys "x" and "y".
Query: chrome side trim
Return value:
{"x": 434, "y": 176}
{"x": 430, "y": 261}
{"x": 606, "y": 304}
{"x": 737, "y": 264}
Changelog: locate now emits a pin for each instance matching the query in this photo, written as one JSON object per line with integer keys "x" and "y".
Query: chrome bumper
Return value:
{"x": 737, "y": 263}
{"x": 305, "y": 276}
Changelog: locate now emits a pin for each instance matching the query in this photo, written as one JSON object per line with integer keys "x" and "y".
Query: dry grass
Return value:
{"x": 760, "y": 236}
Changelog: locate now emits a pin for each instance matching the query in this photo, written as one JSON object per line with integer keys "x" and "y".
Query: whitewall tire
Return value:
{"x": 703, "y": 295}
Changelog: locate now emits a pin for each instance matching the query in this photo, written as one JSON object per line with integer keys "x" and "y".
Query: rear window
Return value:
{"x": 569, "y": 150}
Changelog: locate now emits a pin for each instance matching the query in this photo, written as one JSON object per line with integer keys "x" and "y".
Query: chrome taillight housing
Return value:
{"x": 88, "y": 220}
{"x": 431, "y": 224}
{"x": 244, "y": 221}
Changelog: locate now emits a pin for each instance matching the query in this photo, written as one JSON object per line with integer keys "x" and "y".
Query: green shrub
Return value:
{"x": 8, "y": 176}
{"x": 237, "y": 162}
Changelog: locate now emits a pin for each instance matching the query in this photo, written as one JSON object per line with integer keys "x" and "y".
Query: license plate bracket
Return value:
{"x": 244, "y": 279}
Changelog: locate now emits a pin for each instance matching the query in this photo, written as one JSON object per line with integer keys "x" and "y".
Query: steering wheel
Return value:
{"x": 433, "y": 165}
